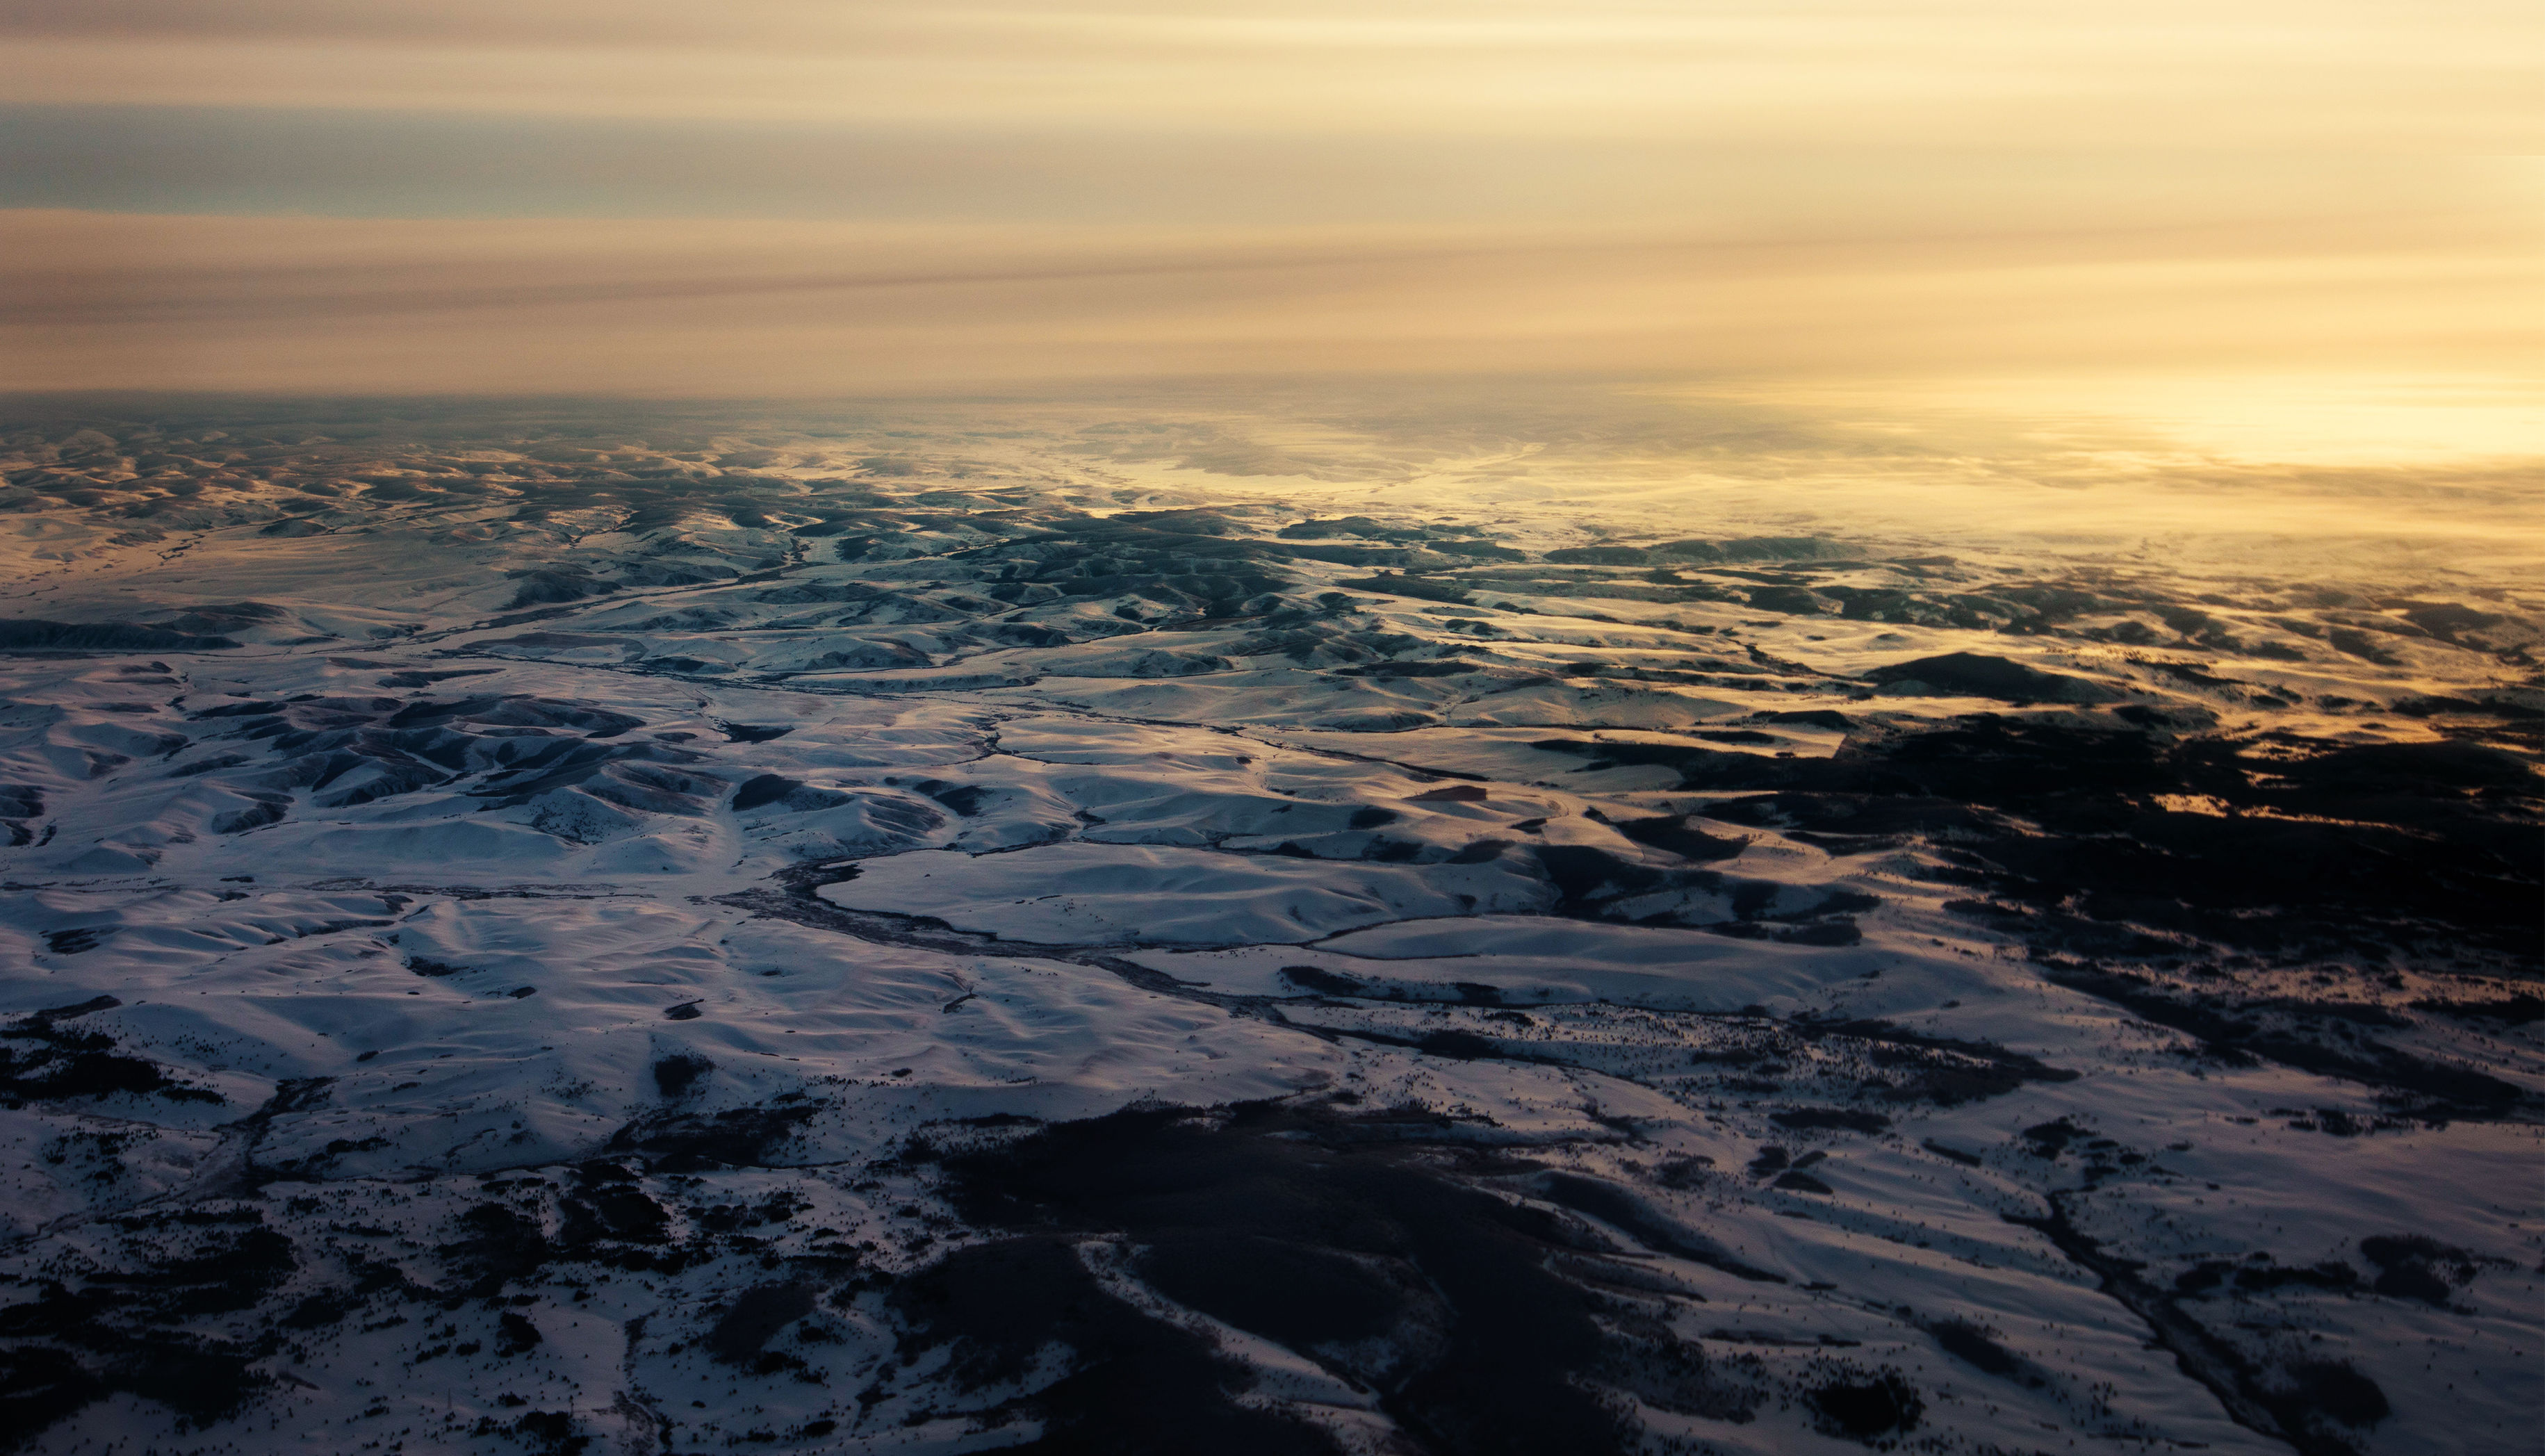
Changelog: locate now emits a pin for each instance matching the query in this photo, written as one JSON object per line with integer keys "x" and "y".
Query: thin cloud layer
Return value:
{"x": 720, "y": 308}
{"x": 2257, "y": 73}
{"x": 1971, "y": 201}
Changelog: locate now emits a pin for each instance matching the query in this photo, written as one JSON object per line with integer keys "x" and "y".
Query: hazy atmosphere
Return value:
{"x": 1991, "y": 205}
{"x": 1408, "y": 729}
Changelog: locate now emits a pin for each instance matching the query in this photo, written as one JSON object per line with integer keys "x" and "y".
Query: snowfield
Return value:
{"x": 926, "y": 932}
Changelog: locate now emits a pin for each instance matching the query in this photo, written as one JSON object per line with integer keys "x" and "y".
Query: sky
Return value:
{"x": 2314, "y": 229}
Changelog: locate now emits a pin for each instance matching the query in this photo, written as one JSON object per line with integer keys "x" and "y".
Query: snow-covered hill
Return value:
{"x": 529, "y": 929}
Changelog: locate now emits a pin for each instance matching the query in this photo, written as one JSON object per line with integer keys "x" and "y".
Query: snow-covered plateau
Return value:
{"x": 617, "y": 928}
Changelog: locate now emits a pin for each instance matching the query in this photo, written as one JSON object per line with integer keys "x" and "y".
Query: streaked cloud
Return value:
{"x": 2454, "y": 75}
{"x": 753, "y": 306}
{"x": 1929, "y": 199}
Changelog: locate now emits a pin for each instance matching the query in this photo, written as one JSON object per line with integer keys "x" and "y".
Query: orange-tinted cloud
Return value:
{"x": 2446, "y": 74}
{"x": 723, "y": 307}
{"x": 1947, "y": 199}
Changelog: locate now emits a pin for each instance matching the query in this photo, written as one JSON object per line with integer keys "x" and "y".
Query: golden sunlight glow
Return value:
{"x": 2258, "y": 229}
